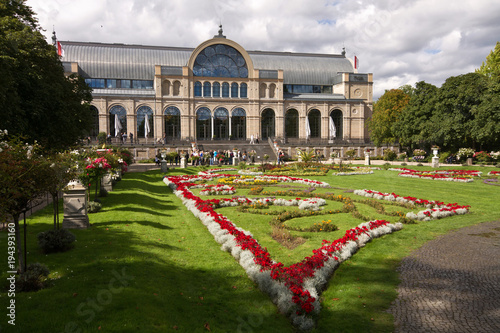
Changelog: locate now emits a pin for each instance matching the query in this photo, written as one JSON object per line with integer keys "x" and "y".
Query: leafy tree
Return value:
{"x": 491, "y": 67}
{"x": 36, "y": 98}
{"x": 453, "y": 118}
{"x": 386, "y": 112}
{"x": 485, "y": 128}
{"x": 414, "y": 124}
{"x": 22, "y": 179}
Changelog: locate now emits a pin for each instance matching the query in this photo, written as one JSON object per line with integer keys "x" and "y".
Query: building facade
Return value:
{"x": 220, "y": 91}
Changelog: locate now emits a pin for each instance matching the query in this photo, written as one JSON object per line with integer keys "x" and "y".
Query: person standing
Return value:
{"x": 131, "y": 136}
{"x": 251, "y": 140}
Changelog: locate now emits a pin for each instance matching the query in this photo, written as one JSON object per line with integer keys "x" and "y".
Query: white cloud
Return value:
{"x": 398, "y": 41}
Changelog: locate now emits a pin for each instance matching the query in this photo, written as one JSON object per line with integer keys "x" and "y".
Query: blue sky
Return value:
{"x": 400, "y": 42}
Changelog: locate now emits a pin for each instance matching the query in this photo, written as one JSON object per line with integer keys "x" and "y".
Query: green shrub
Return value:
{"x": 404, "y": 164}
{"x": 242, "y": 166}
{"x": 93, "y": 207}
{"x": 389, "y": 155}
{"x": 420, "y": 164}
{"x": 33, "y": 278}
{"x": 444, "y": 156}
{"x": 55, "y": 240}
{"x": 350, "y": 153}
{"x": 386, "y": 166}
{"x": 103, "y": 192}
{"x": 101, "y": 138}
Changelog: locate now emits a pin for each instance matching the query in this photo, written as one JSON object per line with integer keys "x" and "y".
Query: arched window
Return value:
{"x": 267, "y": 123}
{"x": 207, "y": 89}
{"x": 115, "y": 129}
{"x": 262, "y": 90}
{"x": 314, "y": 117}
{"x": 165, "y": 89}
{"x": 234, "y": 90}
{"x": 221, "y": 123}
{"x": 238, "y": 124}
{"x": 272, "y": 90}
{"x": 292, "y": 123}
{"x": 243, "y": 90}
{"x": 220, "y": 61}
{"x": 177, "y": 88}
{"x": 216, "y": 89}
{"x": 338, "y": 121}
{"x": 172, "y": 118}
{"x": 197, "y": 89}
{"x": 145, "y": 129}
{"x": 203, "y": 124}
{"x": 225, "y": 89}
{"x": 95, "y": 122}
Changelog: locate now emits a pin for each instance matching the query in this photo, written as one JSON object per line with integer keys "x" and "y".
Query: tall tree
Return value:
{"x": 453, "y": 118}
{"x": 37, "y": 100}
{"x": 491, "y": 66}
{"x": 413, "y": 126}
{"x": 386, "y": 112}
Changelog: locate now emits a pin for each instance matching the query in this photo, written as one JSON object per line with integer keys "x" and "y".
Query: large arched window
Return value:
{"x": 234, "y": 90}
{"x": 243, "y": 90}
{"x": 203, "y": 124}
{"x": 216, "y": 89}
{"x": 145, "y": 129}
{"x": 95, "y": 122}
{"x": 225, "y": 89}
{"x": 117, "y": 112}
{"x": 172, "y": 117}
{"x": 220, "y": 61}
{"x": 338, "y": 121}
{"x": 292, "y": 123}
{"x": 207, "y": 89}
{"x": 221, "y": 123}
{"x": 314, "y": 117}
{"x": 197, "y": 89}
{"x": 262, "y": 90}
{"x": 238, "y": 124}
{"x": 267, "y": 123}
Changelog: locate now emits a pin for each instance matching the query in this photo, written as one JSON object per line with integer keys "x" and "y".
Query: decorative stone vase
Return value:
{"x": 75, "y": 206}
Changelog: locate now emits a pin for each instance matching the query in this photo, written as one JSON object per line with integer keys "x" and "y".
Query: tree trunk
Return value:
{"x": 18, "y": 244}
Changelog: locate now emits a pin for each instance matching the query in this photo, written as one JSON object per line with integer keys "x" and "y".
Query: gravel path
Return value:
{"x": 452, "y": 284}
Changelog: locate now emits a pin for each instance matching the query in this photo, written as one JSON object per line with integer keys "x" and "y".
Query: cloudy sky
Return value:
{"x": 400, "y": 42}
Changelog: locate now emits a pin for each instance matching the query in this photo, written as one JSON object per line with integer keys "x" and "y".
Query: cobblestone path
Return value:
{"x": 452, "y": 284}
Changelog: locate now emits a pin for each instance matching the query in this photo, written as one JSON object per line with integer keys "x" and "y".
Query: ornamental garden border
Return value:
{"x": 294, "y": 289}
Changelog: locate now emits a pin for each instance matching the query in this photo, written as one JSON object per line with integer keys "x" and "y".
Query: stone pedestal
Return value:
{"x": 435, "y": 162}
{"x": 236, "y": 161}
{"x": 107, "y": 182}
{"x": 164, "y": 167}
{"x": 367, "y": 159}
{"x": 469, "y": 161}
{"x": 183, "y": 163}
{"x": 75, "y": 207}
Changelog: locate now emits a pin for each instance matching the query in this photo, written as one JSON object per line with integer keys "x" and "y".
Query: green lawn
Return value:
{"x": 148, "y": 265}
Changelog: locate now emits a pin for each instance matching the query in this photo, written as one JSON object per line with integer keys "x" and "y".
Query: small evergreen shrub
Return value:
{"x": 404, "y": 164}
{"x": 103, "y": 192}
{"x": 55, "y": 240}
{"x": 33, "y": 279}
{"x": 420, "y": 164}
{"x": 386, "y": 166}
{"x": 101, "y": 138}
{"x": 93, "y": 207}
{"x": 389, "y": 155}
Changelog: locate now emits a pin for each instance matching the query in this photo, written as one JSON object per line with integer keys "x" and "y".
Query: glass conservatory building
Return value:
{"x": 220, "y": 91}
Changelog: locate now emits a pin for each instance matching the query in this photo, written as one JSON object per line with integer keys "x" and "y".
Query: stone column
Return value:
{"x": 75, "y": 206}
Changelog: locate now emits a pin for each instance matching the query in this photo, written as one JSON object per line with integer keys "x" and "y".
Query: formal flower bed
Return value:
{"x": 434, "y": 209}
{"x": 217, "y": 190}
{"x": 493, "y": 173}
{"x": 463, "y": 176}
{"x": 295, "y": 288}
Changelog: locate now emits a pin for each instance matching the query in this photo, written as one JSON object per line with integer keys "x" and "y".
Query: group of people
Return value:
{"x": 254, "y": 139}
{"x": 122, "y": 137}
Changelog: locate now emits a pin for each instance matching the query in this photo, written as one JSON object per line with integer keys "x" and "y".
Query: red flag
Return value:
{"x": 60, "y": 50}
{"x": 356, "y": 62}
